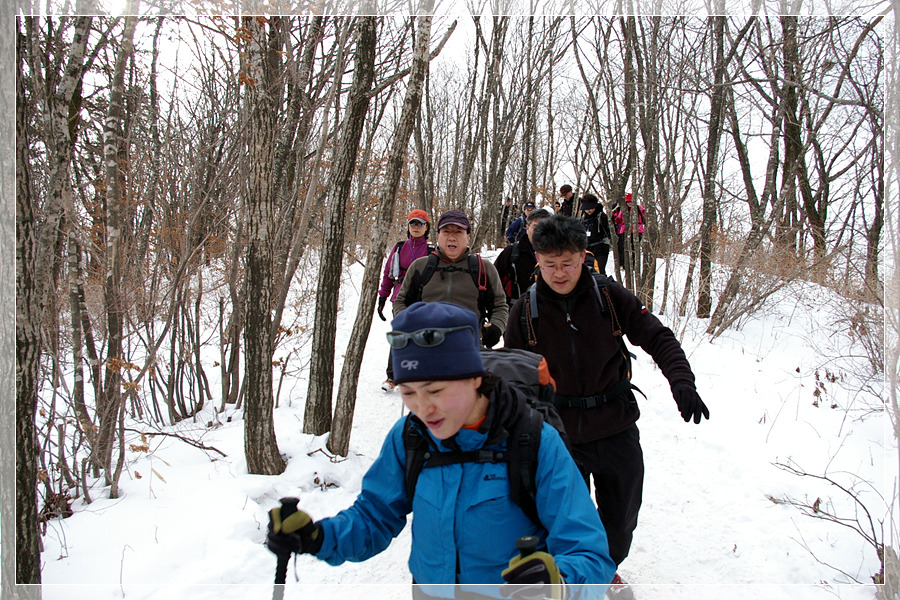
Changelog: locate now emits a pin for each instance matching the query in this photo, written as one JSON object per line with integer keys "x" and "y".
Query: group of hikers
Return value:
{"x": 499, "y": 486}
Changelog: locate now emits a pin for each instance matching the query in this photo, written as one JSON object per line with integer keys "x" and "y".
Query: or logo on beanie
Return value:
{"x": 412, "y": 365}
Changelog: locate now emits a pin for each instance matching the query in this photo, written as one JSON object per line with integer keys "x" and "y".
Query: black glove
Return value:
{"x": 296, "y": 532}
{"x": 381, "y": 302}
{"x": 689, "y": 402}
{"x": 533, "y": 577}
{"x": 490, "y": 335}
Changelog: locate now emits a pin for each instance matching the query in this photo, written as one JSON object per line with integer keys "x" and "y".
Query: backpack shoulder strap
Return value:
{"x": 424, "y": 277}
{"x": 417, "y": 453}
{"x": 523, "y": 447}
{"x": 513, "y": 258}
{"x": 601, "y": 289}
{"x": 528, "y": 315}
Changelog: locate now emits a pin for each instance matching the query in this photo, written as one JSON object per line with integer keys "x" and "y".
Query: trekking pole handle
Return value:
{"x": 527, "y": 544}
{"x": 288, "y": 507}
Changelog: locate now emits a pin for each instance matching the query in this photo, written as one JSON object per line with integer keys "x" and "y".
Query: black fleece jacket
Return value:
{"x": 586, "y": 359}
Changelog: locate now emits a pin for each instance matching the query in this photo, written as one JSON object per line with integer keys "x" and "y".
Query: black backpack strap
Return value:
{"x": 418, "y": 451}
{"x": 513, "y": 273}
{"x": 523, "y": 445}
{"x": 528, "y": 315}
{"x": 421, "y": 279}
{"x": 601, "y": 288}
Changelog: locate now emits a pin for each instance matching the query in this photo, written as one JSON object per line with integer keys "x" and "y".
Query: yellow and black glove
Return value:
{"x": 292, "y": 530}
{"x": 534, "y": 576}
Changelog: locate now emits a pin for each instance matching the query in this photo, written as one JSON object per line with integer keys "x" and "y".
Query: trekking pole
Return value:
{"x": 527, "y": 544}
{"x": 288, "y": 507}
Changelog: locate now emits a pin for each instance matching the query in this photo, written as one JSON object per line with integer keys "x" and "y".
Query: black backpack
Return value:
{"x": 528, "y": 374}
{"x": 475, "y": 269}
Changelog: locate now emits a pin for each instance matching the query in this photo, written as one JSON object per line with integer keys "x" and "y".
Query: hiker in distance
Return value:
{"x": 465, "y": 524}
{"x": 619, "y": 220}
{"x": 517, "y": 228}
{"x": 454, "y": 274}
{"x": 596, "y": 225}
{"x": 398, "y": 262}
{"x": 505, "y": 215}
{"x": 567, "y": 197}
{"x": 577, "y": 320}
{"x": 516, "y": 263}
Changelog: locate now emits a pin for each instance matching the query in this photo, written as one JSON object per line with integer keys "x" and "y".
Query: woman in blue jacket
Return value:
{"x": 465, "y": 524}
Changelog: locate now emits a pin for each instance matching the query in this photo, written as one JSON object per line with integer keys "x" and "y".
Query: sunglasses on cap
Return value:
{"x": 416, "y": 222}
{"x": 424, "y": 338}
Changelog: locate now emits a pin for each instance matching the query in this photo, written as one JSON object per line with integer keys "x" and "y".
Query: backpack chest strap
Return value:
{"x": 440, "y": 459}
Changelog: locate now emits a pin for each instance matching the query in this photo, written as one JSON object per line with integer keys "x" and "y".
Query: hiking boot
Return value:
{"x": 388, "y": 385}
{"x": 619, "y": 590}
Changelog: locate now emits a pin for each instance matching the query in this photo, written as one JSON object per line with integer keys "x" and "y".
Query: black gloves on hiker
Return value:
{"x": 689, "y": 402}
{"x": 381, "y": 302}
{"x": 533, "y": 577}
{"x": 292, "y": 531}
{"x": 490, "y": 335}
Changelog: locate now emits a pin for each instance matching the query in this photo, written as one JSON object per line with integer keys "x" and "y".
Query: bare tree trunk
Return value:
{"x": 77, "y": 319}
{"x": 27, "y": 556}
{"x": 788, "y": 232}
{"x": 317, "y": 417}
{"x": 263, "y": 76}
{"x": 704, "y": 299}
{"x": 111, "y": 404}
{"x": 61, "y": 133}
{"x": 339, "y": 440}
{"x": 873, "y": 232}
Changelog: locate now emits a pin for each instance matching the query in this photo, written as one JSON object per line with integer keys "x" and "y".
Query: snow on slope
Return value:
{"x": 191, "y": 523}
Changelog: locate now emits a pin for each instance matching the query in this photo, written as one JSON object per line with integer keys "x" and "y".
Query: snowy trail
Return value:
{"x": 191, "y": 524}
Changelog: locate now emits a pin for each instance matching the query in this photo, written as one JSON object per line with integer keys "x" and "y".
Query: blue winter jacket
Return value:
{"x": 515, "y": 230}
{"x": 465, "y": 524}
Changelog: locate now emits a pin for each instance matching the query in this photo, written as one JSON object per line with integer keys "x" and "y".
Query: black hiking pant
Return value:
{"x": 616, "y": 464}
{"x": 390, "y": 368}
{"x": 601, "y": 254}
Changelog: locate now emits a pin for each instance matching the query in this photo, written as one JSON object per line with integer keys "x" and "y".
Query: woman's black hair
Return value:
{"x": 559, "y": 234}
{"x": 488, "y": 382}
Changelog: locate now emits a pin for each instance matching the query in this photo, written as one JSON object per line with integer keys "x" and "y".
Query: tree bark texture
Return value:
{"x": 317, "y": 417}
{"x": 339, "y": 440}
{"x": 262, "y": 77}
{"x": 28, "y": 352}
{"x": 704, "y": 298}
{"x": 116, "y": 164}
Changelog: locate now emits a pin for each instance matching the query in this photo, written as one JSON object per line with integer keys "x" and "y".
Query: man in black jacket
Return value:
{"x": 596, "y": 224}
{"x": 568, "y": 201}
{"x": 516, "y": 263}
{"x": 578, "y": 327}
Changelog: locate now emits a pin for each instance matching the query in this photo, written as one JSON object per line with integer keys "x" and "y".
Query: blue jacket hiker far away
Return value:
{"x": 465, "y": 524}
{"x": 516, "y": 230}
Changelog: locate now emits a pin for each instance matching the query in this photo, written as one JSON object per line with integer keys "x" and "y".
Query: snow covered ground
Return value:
{"x": 191, "y": 523}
